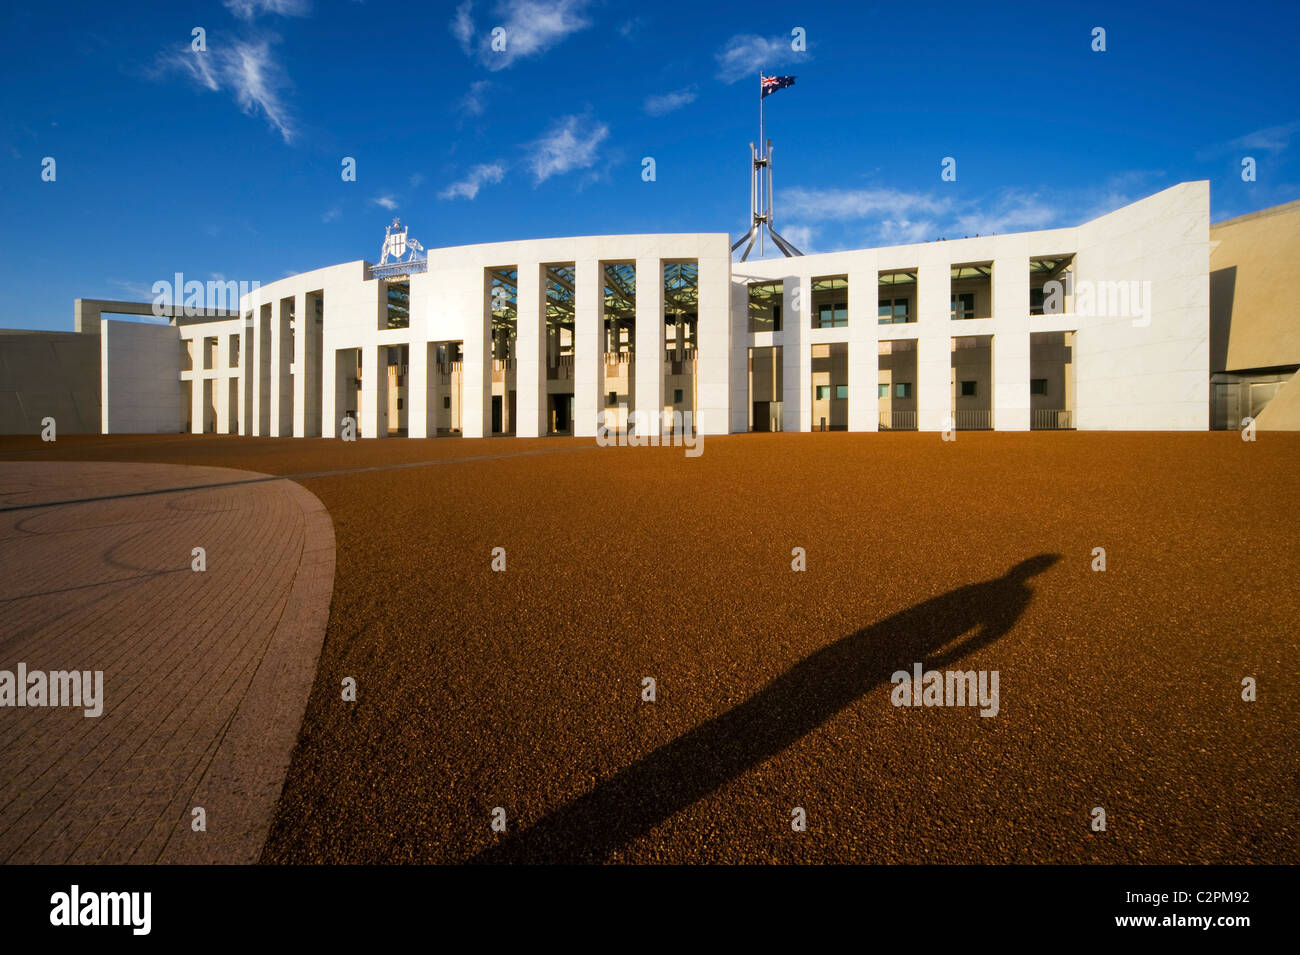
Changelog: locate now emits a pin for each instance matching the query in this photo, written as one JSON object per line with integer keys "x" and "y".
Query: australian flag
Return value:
{"x": 773, "y": 83}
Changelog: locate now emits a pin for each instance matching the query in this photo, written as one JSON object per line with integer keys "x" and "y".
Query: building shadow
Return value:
{"x": 678, "y": 774}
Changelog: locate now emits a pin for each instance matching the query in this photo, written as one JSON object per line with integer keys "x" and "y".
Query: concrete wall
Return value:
{"x": 1254, "y": 324}
{"x": 1152, "y": 376}
{"x": 1147, "y": 368}
{"x": 140, "y": 373}
{"x": 49, "y": 374}
{"x": 1132, "y": 371}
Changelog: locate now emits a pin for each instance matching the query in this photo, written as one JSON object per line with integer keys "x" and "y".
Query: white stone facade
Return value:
{"x": 1146, "y": 368}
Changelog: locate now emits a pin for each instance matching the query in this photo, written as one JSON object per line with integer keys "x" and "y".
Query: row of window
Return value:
{"x": 903, "y": 389}
{"x": 611, "y": 399}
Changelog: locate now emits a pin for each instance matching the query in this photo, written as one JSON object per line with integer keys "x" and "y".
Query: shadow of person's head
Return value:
{"x": 1031, "y": 567}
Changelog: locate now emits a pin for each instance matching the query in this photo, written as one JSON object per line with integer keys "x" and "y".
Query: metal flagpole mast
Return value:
{"x": 761, "y": 193}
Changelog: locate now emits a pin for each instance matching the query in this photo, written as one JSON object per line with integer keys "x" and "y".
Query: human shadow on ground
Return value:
{"x": 678, "y": 774}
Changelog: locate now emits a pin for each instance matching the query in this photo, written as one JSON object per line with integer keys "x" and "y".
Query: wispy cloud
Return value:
{"x": 472, "y": 102}
{"x": 848, "y": 218}
{"x": 800, "y": 236}
{"x": 246, "y": 69}
{"x": 138, "y": 289}
{"x": 1011, "y": 211}
{"x": 1270, "y": 139}
{"x": 252, "y": 9}
{"x": 479, "y": 176}
{"x": 661, "y": 103}
{"x": 899, "y": 217}
{"x": 388, "y": 202}
{"x": 531, "y": 28}
{"x": 462, "y": 27}
{"x": 571, "y": 143}
{"x": 849, "y": 204}
{"x": 415, "y": 179}
{"x": 331, "y": 214}
{"x": 746, "y": 53}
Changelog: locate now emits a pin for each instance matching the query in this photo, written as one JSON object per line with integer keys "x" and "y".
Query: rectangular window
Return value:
{"x": 963, "y": 305}
{"x": 882, "y": 391}
{"x": 1038, "y": 386}
{"x": 399, "y": 404}
{"x": 611, "y": 399}
{"x": 823, "y": 391}
{"x": 968, "y": 389}
{"x": 1035, "y": 301}
{"x": 903, "y": 389}
{"x": 830, "y": 301}
{"x": 397, "y": 307}
{"x": 892, "y": 311}
{"x": 446, "y": 402}
{"x": 833, "y": 315}
{"x": 841, "y": 391}
{"x": 765, "y": 299}
{"x": 677, "y": 396}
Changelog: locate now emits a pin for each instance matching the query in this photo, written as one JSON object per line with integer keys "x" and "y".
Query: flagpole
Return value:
{"x": 762, "y": 170}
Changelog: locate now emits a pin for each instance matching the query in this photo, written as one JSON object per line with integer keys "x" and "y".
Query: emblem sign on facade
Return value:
{"x": 398, "y": 244}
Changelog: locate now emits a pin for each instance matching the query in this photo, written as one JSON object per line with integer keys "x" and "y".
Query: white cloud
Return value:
{"x": 252, "y": 9}
{"x": 661, "y": 103}
{"x": 906, "y": 231}
{"x": 1270, "y": 139}
{"x": 331, "y": 214}
{"x": 478, "y": 177}
{"x": 388, "y": 202}
{"x": 800, "y": 236}
{"x": 246, "y": 69}
{"x": 416, "y": 179}
{"x": 746, "y": 53}
{"x": 570, "y": 144}
{"x": 1012, "y": 211}
{"x": 462, "y": 27}
{"x": 898, "y": 217}
{"x": 849, "y": 204}
{"x": 472, "y": 102}
{"x": 138, "y": 289}
{"x": 532, "y": 27}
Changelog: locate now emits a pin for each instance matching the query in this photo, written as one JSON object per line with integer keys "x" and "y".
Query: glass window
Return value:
{"x": 892, "y": 311}
{"x": 903, "y": 389}
{"x": 765, "y": 306}
{"x": 677, "y": 395}
{"x": 841, "y": 391}
{"x": 968, "y": 389}
{"x": 823, "y": 391}
{"x": 882, "y": 391}
{"x": 963, "y": 305}
{"x": 1038, "y": 386}
{"x": 446, "y": 401}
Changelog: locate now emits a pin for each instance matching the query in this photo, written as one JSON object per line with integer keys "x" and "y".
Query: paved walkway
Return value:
{"x": 205, "y": 675}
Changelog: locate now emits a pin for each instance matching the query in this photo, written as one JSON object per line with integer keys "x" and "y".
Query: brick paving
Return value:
{"x": 205, "y": 675}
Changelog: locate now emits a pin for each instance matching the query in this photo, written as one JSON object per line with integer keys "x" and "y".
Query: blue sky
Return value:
{"x": 227, "y": 163}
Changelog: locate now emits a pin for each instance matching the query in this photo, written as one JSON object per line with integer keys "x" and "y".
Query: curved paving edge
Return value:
{"x": 206, "y": 676}
{"x": 244, "y": 780}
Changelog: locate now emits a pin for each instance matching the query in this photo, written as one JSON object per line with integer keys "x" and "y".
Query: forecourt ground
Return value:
{"x": 522, "y": 689}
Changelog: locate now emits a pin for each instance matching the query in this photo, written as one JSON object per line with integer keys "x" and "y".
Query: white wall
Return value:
{"x": 140, "y": 372}
{"x": 1128, "y": 375}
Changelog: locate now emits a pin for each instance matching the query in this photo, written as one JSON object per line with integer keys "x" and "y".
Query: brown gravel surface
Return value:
{"x": 522, "y": 689}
